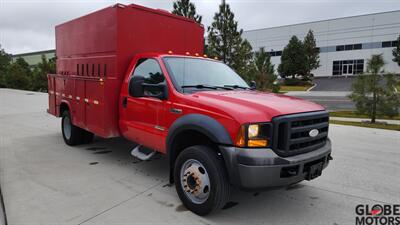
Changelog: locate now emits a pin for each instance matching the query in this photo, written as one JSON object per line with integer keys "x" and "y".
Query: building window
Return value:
{"x": 386, "y": 44}
{"x": 275, "y": 53}
{"x": 357, "y": 46}
{"x": 348, "y": 67}
{"x": 348, "y": 47}
{"x": 339, "y": 48}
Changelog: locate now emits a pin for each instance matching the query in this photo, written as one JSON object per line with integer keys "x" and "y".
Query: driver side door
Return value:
{"x": 143, "y": 113}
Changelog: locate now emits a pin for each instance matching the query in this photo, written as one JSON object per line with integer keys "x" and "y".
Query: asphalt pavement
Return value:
{"x": 331, "y": 100}
{"x": 333, "y": 83}
{"x": 46, "y": 182}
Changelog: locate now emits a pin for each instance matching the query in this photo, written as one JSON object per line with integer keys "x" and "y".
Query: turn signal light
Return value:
{"x": 240, "y": 139}
{"x": 257, "y": 143}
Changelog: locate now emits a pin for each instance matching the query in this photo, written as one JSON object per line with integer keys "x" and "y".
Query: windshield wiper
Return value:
{"x": 202, "y": 86}
{"x": 236, "y": 86}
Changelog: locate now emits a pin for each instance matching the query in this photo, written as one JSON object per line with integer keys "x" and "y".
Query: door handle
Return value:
{"x": 124, "y": 102}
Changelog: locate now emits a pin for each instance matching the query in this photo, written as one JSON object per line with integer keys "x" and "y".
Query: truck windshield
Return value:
{"x": 192, "y": 74}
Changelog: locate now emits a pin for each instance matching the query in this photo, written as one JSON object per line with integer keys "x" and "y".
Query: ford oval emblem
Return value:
{"x": 313, "y": 133}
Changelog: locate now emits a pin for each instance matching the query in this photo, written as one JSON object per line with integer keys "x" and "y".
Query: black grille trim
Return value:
{"x": 291, "y": 132}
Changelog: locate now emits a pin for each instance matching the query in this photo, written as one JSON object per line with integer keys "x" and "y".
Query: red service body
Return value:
{"x": 94, "y": 52}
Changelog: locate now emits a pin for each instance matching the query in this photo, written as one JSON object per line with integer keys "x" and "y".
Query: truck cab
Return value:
{"x": 215, "y": 130}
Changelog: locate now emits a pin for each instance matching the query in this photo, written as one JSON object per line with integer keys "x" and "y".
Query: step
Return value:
{"x": 142, "y": 153}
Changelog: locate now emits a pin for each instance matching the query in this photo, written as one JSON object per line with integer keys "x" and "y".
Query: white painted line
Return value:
{"x": 312, "y": 87}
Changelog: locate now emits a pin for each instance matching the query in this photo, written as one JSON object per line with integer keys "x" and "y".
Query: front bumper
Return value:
{"x": 254, "y": 168}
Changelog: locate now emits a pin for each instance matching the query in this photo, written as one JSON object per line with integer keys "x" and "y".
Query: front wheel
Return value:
{"x": 201, "y": 180}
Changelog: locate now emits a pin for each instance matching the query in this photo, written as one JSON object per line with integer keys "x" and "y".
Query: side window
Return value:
{"x": 150, "y": 70}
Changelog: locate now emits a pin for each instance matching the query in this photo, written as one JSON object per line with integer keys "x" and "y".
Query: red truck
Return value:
{"x": 136, "y": 72}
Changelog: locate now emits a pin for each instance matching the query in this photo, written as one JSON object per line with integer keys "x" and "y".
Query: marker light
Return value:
{"x": 187, "y": 53}
{"x": 197, "y": 54}
{"x": 205, "y": 56}
{"x": 170, "y": 52}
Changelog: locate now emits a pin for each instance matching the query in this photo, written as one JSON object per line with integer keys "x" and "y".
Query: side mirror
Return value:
{"x": 159, "y": 91}
{"x": 253, "y": 85}
{"x": 136, "y": 86}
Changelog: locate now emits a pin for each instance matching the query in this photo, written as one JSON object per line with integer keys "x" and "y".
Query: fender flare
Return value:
{"x": 206, "y": 125}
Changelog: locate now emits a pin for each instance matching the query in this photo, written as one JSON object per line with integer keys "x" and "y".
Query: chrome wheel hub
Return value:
{"x": 195, "y": 181}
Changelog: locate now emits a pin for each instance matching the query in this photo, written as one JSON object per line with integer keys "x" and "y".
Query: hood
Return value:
{"x": 254, "y": 106}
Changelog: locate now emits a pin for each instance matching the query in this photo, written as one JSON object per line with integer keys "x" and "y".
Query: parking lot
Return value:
{"x": 43, "y": 181}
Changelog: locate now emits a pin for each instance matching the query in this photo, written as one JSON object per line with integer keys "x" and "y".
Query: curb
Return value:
{"x": 309, "y": 89}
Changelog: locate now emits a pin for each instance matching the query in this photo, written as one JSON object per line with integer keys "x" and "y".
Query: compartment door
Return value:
{"x": 79, "y": 115}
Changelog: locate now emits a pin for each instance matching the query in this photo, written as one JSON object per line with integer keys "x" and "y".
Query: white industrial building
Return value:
{"x": 345, "y": 43}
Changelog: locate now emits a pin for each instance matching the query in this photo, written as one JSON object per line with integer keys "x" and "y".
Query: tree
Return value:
{"x": 225, "y": 40}
{"x": 187, "y": 9}
{"x": 371, "y": 95}
{"x": 18, "y": 75}
{"x": 242, "y": 62}
{"x": 396, "y": 52}
{"x": 312, "y": 54}
{"x": 264, "y": 71}
{"x": 293, "y": 59}
{"x": 39, "y": 79}
{"x": 5, "y": 60}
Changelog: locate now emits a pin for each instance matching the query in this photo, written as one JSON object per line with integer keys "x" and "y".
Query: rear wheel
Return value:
{"x": 87, "y": 137}
{"x": 201, "y": 180}
{"x": 72, "y": 134}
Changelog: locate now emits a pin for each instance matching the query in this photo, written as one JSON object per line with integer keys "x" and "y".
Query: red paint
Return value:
{"x": 117, "y": 37}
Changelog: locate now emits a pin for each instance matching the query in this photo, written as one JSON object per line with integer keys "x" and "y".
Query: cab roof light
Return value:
{"x": 205, "y": 56}
{"x": 170, "y": 52}
{"x": 187, "y": 53}
{"x": 216, "y": 58}
{"x": 196, "y": 54}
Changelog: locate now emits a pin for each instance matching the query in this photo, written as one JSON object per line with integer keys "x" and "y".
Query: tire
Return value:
{"x": 72, "y": 134}
{"x": 197, "y": 163}
{"x": 87, "y": 137}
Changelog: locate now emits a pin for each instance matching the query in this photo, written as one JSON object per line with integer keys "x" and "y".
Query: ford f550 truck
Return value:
{"x": 136, "y": 72}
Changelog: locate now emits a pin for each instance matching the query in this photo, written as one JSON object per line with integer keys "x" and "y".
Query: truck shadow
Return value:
{"x": 274, "y": 205}
{"x": 243, "y": 203}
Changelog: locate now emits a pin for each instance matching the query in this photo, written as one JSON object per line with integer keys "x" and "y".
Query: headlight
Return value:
{"x": 254, "y": 135}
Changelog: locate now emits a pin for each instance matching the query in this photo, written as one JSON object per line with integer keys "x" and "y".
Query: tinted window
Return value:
{"x": 150, "y": 70}
{"x": 340, "y": 48}
{"x": 357, "y": 46}
{"x": 386, "y": 44}
{"x": 348, "y": 47}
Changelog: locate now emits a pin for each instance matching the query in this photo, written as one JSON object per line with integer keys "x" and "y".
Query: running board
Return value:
{"x": 142, "y": 153}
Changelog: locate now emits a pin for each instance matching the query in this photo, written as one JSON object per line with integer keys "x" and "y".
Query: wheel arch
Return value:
{"x": 194, "y": 129}
{"x": 64, "y": 106}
